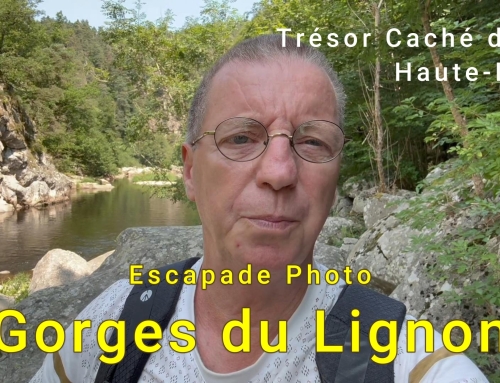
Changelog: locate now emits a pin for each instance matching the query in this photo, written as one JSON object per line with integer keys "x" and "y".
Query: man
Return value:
{"x": 261, "y": 161}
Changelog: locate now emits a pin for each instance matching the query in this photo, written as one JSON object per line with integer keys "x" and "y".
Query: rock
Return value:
{"x": 342, "y": 207}
{"x": 8, "y": 133}
{"x": 58, "y": 267}
{"x": 334, "y": 229}
{"x": 348, "y": 244}
{"x": 152, "y": 247}
{"x": 94, "y": 186}
{"x": 14, "y": 159}
{"x": 21, "y": 168}
{"x": 96, "y": 262}
{"x": 380, "y": 250}
{"x": 330, "y": 256}
{"x": 6, "y": 302}
{"x": 8, "y": 194}
{"x": 36, "y": 194}
{"x": 5, "y": 207}
{"x": 354, "y": 185}
{"x": 103, "y": 181}
{"x": 359, "y": 202}
{"x": 380, "y": 206}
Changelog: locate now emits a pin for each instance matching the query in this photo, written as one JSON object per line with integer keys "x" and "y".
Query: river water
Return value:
{"x": 87, "y": 225}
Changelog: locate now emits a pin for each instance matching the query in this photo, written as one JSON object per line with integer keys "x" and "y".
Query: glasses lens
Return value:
{"x": 318, "y": 141}
{"x": 241, "y": 139}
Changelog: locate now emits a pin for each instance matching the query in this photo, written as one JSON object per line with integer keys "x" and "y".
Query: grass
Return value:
{"x": 86, "y": 180}
{"x": 17, "y": 286}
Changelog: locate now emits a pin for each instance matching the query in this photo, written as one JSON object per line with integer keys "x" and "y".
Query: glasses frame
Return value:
{"x": 271, "y": 136}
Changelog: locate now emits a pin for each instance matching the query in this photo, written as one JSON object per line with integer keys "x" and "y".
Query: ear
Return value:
{"x": 187, "y": 158}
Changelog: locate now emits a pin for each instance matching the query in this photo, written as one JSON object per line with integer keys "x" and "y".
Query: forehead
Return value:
{"x": 290, "y": 90}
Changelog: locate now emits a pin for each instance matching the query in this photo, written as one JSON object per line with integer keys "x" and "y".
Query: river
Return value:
{"x": 87, "y": 225}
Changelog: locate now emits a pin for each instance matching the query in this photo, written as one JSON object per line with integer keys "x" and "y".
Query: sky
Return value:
{"x": 91, "y": 9}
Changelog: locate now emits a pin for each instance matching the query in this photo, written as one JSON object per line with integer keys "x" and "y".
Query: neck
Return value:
{"x": 219, "y": 304}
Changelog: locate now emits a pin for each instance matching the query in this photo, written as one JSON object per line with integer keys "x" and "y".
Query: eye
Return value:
{"x": 239, "y": 139}
{"x": 313, "y": 142}
{"x": 310, "y": 141}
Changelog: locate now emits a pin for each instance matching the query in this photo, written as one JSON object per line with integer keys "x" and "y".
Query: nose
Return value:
{"x": 277, "y": 167}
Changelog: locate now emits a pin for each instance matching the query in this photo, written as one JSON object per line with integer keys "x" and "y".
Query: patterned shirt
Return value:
{"x": 297, "y": 365}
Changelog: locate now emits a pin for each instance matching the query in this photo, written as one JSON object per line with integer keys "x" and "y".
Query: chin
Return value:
{"x": 272, "y": 258}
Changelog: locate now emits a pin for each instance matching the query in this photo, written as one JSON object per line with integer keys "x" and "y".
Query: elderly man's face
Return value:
{"x": 268, "y": 211}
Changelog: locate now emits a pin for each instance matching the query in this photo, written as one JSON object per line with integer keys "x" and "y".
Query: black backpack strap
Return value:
{"x": 145, "y": 302}
{"x": 349, "y": 367}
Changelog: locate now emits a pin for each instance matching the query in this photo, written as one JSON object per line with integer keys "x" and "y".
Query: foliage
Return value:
{"x": 17, "y": 286}
{"x": 465, "y": 254}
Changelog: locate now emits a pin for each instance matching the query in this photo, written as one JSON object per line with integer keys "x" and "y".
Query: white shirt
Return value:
{"x": 297, "y": 365}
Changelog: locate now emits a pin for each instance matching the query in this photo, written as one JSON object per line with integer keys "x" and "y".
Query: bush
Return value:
{"x": 17, "y": 286}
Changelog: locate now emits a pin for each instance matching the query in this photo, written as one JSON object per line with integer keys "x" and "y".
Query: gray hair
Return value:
{"x": 260, "y": 49}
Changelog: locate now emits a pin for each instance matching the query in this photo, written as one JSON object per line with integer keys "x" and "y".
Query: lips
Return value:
{"x": 272, "y": 222}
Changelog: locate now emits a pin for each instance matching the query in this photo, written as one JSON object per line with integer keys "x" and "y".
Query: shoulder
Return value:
{"x": 438, "y": 366}
{"x": 83, "y": 366}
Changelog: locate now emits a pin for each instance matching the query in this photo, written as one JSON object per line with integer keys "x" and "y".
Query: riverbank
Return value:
{"x": 88, "y": 224}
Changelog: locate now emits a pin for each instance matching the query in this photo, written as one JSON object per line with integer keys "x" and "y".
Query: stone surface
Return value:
{"x": 361, "y": 199}
{"x": 58, "y": 267}
{"x": 348, "y": 244}
{"x": 21, "y": 169}
{"x": 355, "y": 185}
{"x": 332, "y": 230}
{"x": 94, "y": 186}
{"x": 5, "y": 207}
{"x": 330, "y": 256}
{"x": 385, "y": 251}
{"x": 96, "y": 262}
{"x": 6, "y": 302}
{"x": 37, "y": 193}
{"x": 342, "y": 207}
{"x": 15, "y": 159}
{"x": 380, "y": 206}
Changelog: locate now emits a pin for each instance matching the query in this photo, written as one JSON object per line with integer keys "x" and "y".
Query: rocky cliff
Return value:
{"x": 26, "y": 179}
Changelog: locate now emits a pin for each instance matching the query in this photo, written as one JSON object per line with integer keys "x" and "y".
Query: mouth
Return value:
{"x": 278, "y": 223}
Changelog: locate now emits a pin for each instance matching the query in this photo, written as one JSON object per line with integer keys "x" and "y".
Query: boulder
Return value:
{"x": 96, "y": 262}
{"x": 6, "y": 302}
{"x": 103, "y": 181}
{"x": 385, "y": 251}
{"x": 94, "y": 186}
{"x": 380, "y": 250}
{"x": 361, "y": 199}
{"x": 334, "y": 229}
{"x": 380, "y": 206}
{"x": 330, "y": 256}
{"x": 355, "y": 185}
{"x": 36, "y": 194}
{"x": 15, "y": 159}
{"x": 9, "y": 195}
{"x": 4, "y": 206}
{"x": 8, "y": 134}
{"x": 348, "y": 244}
{"x": 58, "y": 267}
{"x": 22, "y": 169}
{"x": 342, "y": 207}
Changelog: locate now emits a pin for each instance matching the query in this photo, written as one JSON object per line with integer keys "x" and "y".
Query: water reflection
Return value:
{"x": 87, "y": 225}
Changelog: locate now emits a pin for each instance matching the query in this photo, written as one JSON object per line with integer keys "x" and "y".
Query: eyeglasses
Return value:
{"x": 244, "y": 139}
